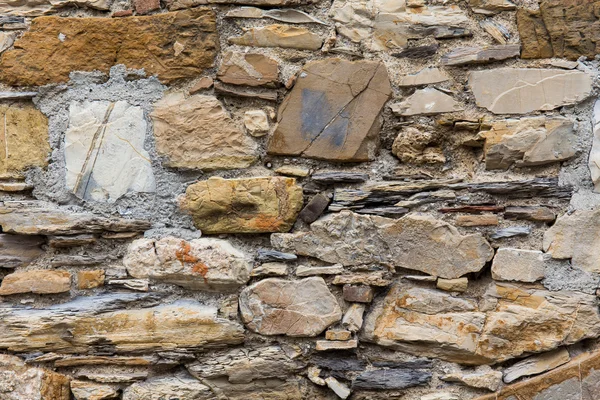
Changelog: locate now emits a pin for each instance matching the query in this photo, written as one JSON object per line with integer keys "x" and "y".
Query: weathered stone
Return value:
{"x": 531, "y": 213}
{"x": 418, "y": 52}
{"x": 33, "y": 8}
{"x": 24, "y": 140}
{"x": 249, "y": 69}
{"x": 537, "y": 364}
{"x": 522, "y": 90}
{"x": 575, "y": 380}
{"x": 560, "y": 28}
{"x": 19, "y": 381}
{"x": 110, "y": 374}
{"x": 274, "y": 255}
{"x": 36, "y": 281}
{"x": 198, "y": 133}
{"x": 391, "y": 379}
{"x": 99, "y": 43}
{"x": 594, "y": 157}
{"x": 490, "y": 7}
{"x": 15, "y": 187}
{"x": 6, "y": 40}
{"x": 19, "y": 251}
{"x": 90, "y": 279}
{"x": 263, "y": 204}
{"x": 496, "y": 30}
{"x": 481, "y": 55}
{"x": 477, "y": 220}
{"x": 518, "y": 265}
{"x": 440, "y": 396}
{"x": 104, "y": 151}
{"x": 245, "y": 92}
{"x": 358, "y": 293}
{"x": 270, "y": 269}
{"x": 313, "y": 373}
{"x": 71, "y": 241}
{"x": 426, "y": 76}
{"x": 303, "y": 270}
{"x": 140, "y": 285}
{"x": 206, "y": 82}
{"x": 330, "y": 178}
{"x": 256, "y": 122}
{"x": 417, "y": 242}
{"x": 314, "y": 208}
{"x": 279, "y": 36}
{"x": 384, "y": 26}
{"x": 337, "y": 334}
{"x": 198, "y": 264}
{"x": 416, "y": 146}
{"x": 426, "y": 101}
{"x": 342, "y": 391}
{"x": 290, "y": 16}
{"x": 510, "y": 232}
{"x": 289, "y": 170}
{"x": 145, "y": 6}
{"x": 453, "y": 285}
{"x": 333, "y": 111}
{"x": 327, "y": 345}
{"x": 293, "y": 308}
{"x": 83, "y": 390}
{"x": 483, "y": 377}
{"x": 529, "y": 142}
{"x": 353, "y": 317}
{"x": 181, "y": 387}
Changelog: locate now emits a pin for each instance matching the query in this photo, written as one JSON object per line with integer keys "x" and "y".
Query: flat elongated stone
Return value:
{"x": 330, "y": 178}
{"x": 23, "y": 140}
{"x": 250, "y": 69}
{"x": 180, "y": 4}
{"x": 510, "y": 232}
{"x": 199, "y": 264}
{"x": 303, "y": 270}
{"x": 426, "y": 76}
{"x": 576, "y": 237}
{"x": 560, "y": 28}
{"x": 33, "y": 8}
{"x": 90, "y": 279}
{"x": 342, "y": 391}
{"x": 95, "y": 322}
{"x": 327, "y": 345}
{"x": 269, "y": 204}
{"x": 40, "y": 57}
{"x": 182, "y": 386}
{"x": 18, "y": 250}
{"x": 594, "y": 158}
{"x": 391, "y": 379}
{"x": 36, "y": 281}
{"x": 481, "y": 55}
{"x": 426, "y": 101}
{"x": 289, "y": 15}
{"x": 531, "y": 213}
{"x": 490, "y": 7}
{"x": 417, "y": 242}
{"x": 453, "y": 285}
{"x": 293, "y": 308}
{"x": 84, "y": 390}
{"x": 483, "y": 377}
{"x": 279, "y": 36}
{"x": 477, "y": 220}
{"x": 104, "y": 151}
{"x": 522, "y": 90}
{"x": 198, "y": 133}
{"x": 536, "y": 364}
{"x": 333, "y": 111}
{"x": 518, "y": 265}
{"x": 19, "y": 381}
{"x": 270, "y": 269}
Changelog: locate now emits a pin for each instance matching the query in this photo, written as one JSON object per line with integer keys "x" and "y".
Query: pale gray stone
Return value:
{"x": 425, "y": 76}
{"x": 180, "y": 386}
{"x": 594, "y": 158}
{"x": 536, "y": 364}
{"x": 426, "y": 101}
{"x": 303, "y": 270}
{"x": 518, "y": 265}
{"x": 353, "y": 318}
{"x": 483, "y": 377}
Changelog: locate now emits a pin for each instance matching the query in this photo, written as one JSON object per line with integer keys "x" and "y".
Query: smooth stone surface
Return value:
{"x": 425, "y": 76}
{"x": 481, "y": 55}
{"x": 490, "y": 7}
{"x": 358, "y": 293}
{"x": 327, "y": 345}
{"x": 104, "y": 151}
{"x": 453, "y": 285}
{"x": 518, "y": 265}
{"x": 477, "y": 220}
{"x": 251, "y": 69}
{"x": 315, "y": 207}
{"x": 19, "y": 381}
{"x": 531, "y": 213}
{"x": 391, "y": 379}
{"x": 274, "y": 255}
{"x": 523, "y": 90}
{"x": 426, "y": 101}
{"x": 333, "y": 111}
{"x": 198, "y": 133}
{"x": 417, "y": 242}
{"x": 262, "y": 204}
{"x": 36, "y": 281}
{"x": 19, "y": 250}
{"x": 537, "y": 364}
{"x": 342, "y": 391}
{"x": 270, "y": 269}
{"x": 303, "y": 308}
{"x": 284, "y": 36}
{"x": 100, "y": 43}
{"x": 199, "y": 264}
{"x": 510, "y": 232}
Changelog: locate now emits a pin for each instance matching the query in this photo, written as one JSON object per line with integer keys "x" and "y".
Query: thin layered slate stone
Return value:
{"x": 181, "y": 4}
{"x": 19, "y": 250}
{"x": 333, "y": 111}
{"x": 560, "y": 28}
{"x": 19, "y": 381}
{"x": 594, "y": 158}
{"x": 523, "y": 90}
{"x": 180, "y": 387}
{"x": 102, "y": 322}
{"x": 303, "y": 308}
{"x": 54, "y": 47}
{"x": 247, "y": 205}
{"x": 35, "y": 8}
{"x": 417, "y": 242}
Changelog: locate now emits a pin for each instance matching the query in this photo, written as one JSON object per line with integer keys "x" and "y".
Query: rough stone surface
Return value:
{"x": 483, "y": 377}
{"x": 84, "y": 390}
{"x": 416, "y": 147}
{"x": 427, "y": 101}
{"x": 594, "y": 158}
{"x": 199, "y": 264}
{"x": 36, "y": 281}
{"x": 33, "y": 8}
{"x": 293, "y": 308}
{"x": 333, "y": 111}
{"x": 518, "y": 265}
{"x": 417, "y": 242}
{"x": 265, "y": 204}
{"x": 537, "y": 364}
{"x": 279, "y": 36}
{"x": 522, "y": 90}
{"x": 256, "y": 122}
{"x": 18, "y": 250}
{"x": 391, "y": 379}
{"x": 453, "y": 285}
{"x": 249, "y": 69}
{"x": 353, "y": 317}
{"x": 19, "y": 381}
{"x": 180, "y": 387}
{"x": 198, "y": 133}
{"x": 90, "y": 279}
{"x": 481, "y": 55}
{"x": 358, "y": 293}
{"x": 40, "y": 57}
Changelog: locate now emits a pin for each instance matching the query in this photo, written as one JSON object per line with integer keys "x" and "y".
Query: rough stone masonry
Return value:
{"x": 299, "y": 199}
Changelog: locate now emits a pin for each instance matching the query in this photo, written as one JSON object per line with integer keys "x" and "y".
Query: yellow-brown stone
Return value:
{"x": 171, "y": 46}
{"x": 23, "y": 140}
{"x": 19, "y": 381}
{"x": 90, "y": 279}
{"x": 36, "y": 281}
{"x": 248, "y": 205}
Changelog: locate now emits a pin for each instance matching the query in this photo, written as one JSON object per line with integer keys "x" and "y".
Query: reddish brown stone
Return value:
{"x": 248, "y": 69}
{"x": 122, "y": 13}
{"x": 145, "y": 6}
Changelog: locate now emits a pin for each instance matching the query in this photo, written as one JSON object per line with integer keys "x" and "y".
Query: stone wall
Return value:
{"x": 298, "y": 199}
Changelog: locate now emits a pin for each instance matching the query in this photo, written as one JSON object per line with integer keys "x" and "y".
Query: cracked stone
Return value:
{"x": 333, "y": 111}
{"x": 40, "y": 57}
{"x": 518, "y": 265}
{"x": 199, "y": 264}
{"x": 523, "y": 90}
{"x": 302, "y": 308}
{"x": 417, "y": 242}
{"x": 426, "y": 101}
{"x": 36, "y": 281}
{"x": 285, "y": 36}
{"x": 104, "y": 151}
{"x": 353, "y": 317}
{"x": 198, "y": 133}
{"x": 246, "y": 205}
{"x": 249, "y": 69}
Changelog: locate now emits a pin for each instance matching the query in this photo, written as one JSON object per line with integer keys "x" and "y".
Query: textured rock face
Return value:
{"x": 200, "y": 264}
{"x": 98, "y": 44}
{"x": 294, "y": 308}
{"x": 104, "y": 151}
{"x": 594, "y": 158}
{"x": 284, "y": 36}
{"x": 180, "y": 387}
{"x": 536, "y": 364}
{"x": 248, "y": 69}
{"x": 522, "y": 90}
{"x": 263, "y": 204}
{"x": 36, "y": 281}
{"x": 24, "y": 140}
{"x": 34, "y": 8}
{"x": 426, "y": 102}
{"x": 19, "y": 381}
{"x": 515, "y": 321}
{"x": 333, "y": 111}
{"x": 518, "y": 265}
{"x": 18, "y": 250}
{"x": 211, "y": 139}
{"x": 417, "y": 242}
{"x": 560, "y": 28}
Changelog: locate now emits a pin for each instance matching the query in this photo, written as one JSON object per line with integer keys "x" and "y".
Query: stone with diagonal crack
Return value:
{"x": 333, "y": 111}
{"x": 104, "y": 151}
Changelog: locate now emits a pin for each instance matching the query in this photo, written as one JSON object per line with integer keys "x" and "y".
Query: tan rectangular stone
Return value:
{"x": 36, "y": 281}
